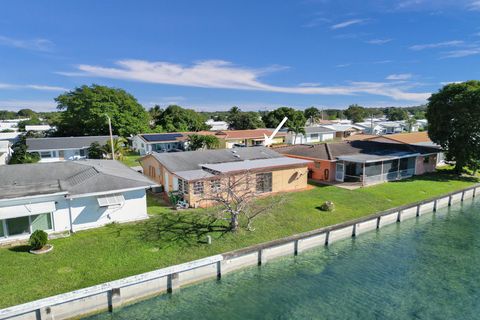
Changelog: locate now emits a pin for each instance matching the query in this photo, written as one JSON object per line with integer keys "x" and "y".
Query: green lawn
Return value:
{"x": 95, "y": 256}
{"x": 130, "y": 159}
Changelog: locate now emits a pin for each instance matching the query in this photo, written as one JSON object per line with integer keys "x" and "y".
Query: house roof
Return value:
{"x": 72, "y": 177}
{"x": 246, "y": 165}
{"x": 360, "y": 137}
{"x": 61, "y": 143}
{"x": 249, "y": 134}
{"x": 161, "y": 137}
{"x": 343, "y": 127}
{"x": 409, "y": 138}
{"x": 192, "y": 160}
{"x": 332, "y": 151}
{"x": 318, "y": 130}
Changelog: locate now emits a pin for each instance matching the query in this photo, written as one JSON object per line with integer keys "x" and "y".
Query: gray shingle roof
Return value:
{"x": 73, "y": 177}
{"x": 330, "y": 151}
{"x": 61, "y": 143}
{"x": 191, "y": 160}
{"x": 318, "y": 130}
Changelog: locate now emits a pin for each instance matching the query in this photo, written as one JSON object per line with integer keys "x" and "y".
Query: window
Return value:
{"x": 41, "y": 222}
{"x": 185, "y": 187}
{"x": 110, "y": 200}
{"x": 25, "y": 225}
{"x": 151, "y": 171}
{"x": 426, "y": 159}
{"x": 198, "y": 187}
{"x": 82, "y": 152}
{"x": 45, "y": 154}
{"x": 17, "y": 226}
{"x": 215, "y": 186}
{"x": 317, "y": 165}
{"x": 314, "y": 136}
{"x": 180, "y": 185}
{"x": 264, "y": 182}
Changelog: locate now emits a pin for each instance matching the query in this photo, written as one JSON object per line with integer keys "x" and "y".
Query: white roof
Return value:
{"x": 40, "y": 127}
{"x": 253, "y": 164}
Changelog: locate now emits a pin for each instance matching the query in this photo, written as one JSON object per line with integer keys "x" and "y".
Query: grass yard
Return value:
{"x": 130, "y": 159}
{"x": 95, "y": 256}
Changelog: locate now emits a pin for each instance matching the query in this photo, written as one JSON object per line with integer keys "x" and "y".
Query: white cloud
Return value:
{"x": 37, "y": 105}
{"x": 453, "y": 43}
{"x": 378, "y": 41}
{"x": 345, "y": 24}
{"x": 474, "y": 6}
{"x": 461, "y": 53}
{"x": 30, "y": 44}
{"x": 9, "y": 86}
{"x": 343, "y": 65}
{"x": 399, "y": 76}
{"x": 224, "y": 75}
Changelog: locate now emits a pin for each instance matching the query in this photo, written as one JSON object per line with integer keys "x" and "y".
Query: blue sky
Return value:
{"x": 211, "y": 55}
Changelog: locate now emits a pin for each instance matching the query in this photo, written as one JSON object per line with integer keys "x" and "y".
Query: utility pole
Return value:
{"x": 111, "y": 136}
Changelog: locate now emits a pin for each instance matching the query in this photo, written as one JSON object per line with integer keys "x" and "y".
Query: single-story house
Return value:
{"x": 366, "y": 162}
{"x": 344, "y": 130}
{"x": 39, "y": 127}
{"x": 194, "y": 174}
{"x": 5, "y": 152}
{"x": 312, "y": 135}
{"x": 68, "y": 196}
{"x": 217, "y": 125}
{"x": 165, "y": 142}
{"x": 158, "y": 142}
{"x": 64, "y": 148}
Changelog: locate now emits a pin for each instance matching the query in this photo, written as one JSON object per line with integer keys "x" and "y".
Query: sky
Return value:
{"x": 257, "y": 55}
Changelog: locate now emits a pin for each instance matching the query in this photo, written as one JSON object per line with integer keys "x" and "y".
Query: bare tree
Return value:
{"x": 235, "y": 198}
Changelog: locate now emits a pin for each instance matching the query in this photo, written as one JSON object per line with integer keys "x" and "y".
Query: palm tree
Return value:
{"x": 297, "y": 124}
{"x": 118, "y": 147}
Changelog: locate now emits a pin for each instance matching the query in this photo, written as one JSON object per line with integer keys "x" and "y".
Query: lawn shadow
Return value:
{"x": 444, "y": 175}
{"x": 20, "y": 248}
{"x": 184, "y": 228}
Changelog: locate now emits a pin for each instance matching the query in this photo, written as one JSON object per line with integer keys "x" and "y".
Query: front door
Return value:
{"x": 340, "y": 171}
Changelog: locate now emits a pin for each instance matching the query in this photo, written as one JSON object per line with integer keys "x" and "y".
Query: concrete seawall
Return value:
{"x": 115, "y": 294}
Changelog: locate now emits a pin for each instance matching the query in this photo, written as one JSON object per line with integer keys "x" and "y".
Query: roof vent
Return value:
{"x": 236, "y": 156}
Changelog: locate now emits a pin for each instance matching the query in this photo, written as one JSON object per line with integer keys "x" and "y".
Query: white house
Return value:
{"x": 312, "y": 135}
{"x": 68, "y": 196}
{"x": 217, "y": 125}
{"x": 5, "y": 152}
{"x": 38, "y": 127}
{"x": 64, "y": 148}
{"x": 158, "y": 142}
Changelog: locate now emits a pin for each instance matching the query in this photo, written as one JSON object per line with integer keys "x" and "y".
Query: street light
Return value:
{"x": 111, "y": 136}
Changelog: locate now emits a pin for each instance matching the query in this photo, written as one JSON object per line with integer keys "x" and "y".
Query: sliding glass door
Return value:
{"x": 25, "y": 225}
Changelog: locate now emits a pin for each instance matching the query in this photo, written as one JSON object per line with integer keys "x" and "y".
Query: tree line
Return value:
{"x": 453, "y": 114}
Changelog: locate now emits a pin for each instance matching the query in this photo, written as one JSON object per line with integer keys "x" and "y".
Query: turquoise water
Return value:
{"x": 424, "y": 268}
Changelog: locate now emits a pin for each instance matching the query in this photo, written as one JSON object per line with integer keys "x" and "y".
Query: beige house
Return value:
{"x": 195, "y": 176}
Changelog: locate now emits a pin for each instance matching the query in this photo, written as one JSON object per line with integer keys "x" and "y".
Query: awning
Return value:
{"x": 27, "y": 209}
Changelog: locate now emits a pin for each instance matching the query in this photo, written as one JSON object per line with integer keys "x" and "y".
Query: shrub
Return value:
{"x": 327, "y": 206}
{"x": 38, "y": 239}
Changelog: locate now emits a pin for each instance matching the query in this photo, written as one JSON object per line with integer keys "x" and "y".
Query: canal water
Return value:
{"x": 424, "y": 268}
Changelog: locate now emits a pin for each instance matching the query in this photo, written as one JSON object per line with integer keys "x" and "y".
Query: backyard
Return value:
{"x": 130, "y": 159}
{"x": 115, "y": 251}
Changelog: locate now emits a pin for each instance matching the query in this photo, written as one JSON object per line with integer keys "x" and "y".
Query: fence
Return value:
{"x": 113, "y": 295}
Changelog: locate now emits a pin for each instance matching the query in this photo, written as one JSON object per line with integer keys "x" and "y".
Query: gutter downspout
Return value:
{"x": 70, "y": 213}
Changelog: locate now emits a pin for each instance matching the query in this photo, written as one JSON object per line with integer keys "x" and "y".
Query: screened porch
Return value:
{"x": 368, "y": 169}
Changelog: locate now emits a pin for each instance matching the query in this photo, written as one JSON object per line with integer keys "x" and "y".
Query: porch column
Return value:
{"x": 381, "y": 172}
{"x": 398, "y": 169}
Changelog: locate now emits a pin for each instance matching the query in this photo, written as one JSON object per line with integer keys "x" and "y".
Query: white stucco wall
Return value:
{"x": 86, "y": 213}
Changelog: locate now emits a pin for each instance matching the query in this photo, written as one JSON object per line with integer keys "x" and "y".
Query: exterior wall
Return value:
{"x": 139, "y": 145}
{"x": 4, "y": 157}
{"x": 282, "y": 180}
{"x": 318, "y": 167}
{"x": 250, "y": 142}
{"x": 152, "y": 169}
{"x": 422, "y": 167}
{"x": 86, "y": 213}
{"x": 301, "y": 139}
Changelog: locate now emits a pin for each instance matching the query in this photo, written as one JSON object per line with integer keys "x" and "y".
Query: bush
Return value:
{"x": 38, "y": 239}
{"x": 327, "y": 206}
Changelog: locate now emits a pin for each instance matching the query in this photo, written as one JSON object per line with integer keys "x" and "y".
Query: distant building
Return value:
{"x": 217, "y": 125}
{"x": 195, "y": 174}
{"x": 312, "y": 135}
{"x": 5, "y": 152}
{"x": 39, "y": 127}
{"x": 344, "y": 130}
{"x": 64, "y": 148}
{"x": 177, "y": 141}
{"x": 68, "y": 196}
